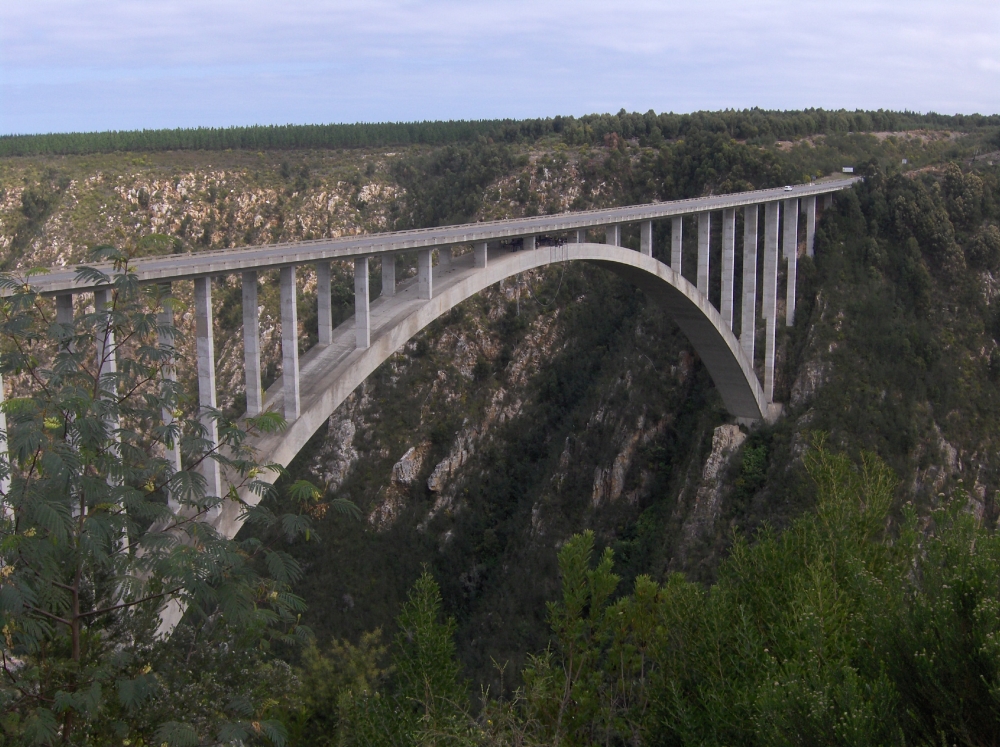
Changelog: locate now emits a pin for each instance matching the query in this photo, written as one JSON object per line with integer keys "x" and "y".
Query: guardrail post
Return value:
{"x": 809, "y": 207}
{"x": 728, "y": 264}
{"x": 362, "y": 309}
{"x": 324, "y": 304}
{"x": 748, "y": 321}
{"x": 770, "y": 301}
{"x": 205, "y": 347}
{"x": 290, "y": 344}
{"x": 704, "y": 235}
{"x": 251, "y": 345}
{"x": 676, "y": 243}
{"x": 481, "y": 252}
{"x": 790, "y": 245}
{"x": 388, "y": 274}
{"x": 646, "y": 238}
{"x": 613, "y": 235}
{"x": 425, "y": 278}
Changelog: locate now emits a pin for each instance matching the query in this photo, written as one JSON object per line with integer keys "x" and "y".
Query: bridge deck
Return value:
{"x": 221, "y": 261}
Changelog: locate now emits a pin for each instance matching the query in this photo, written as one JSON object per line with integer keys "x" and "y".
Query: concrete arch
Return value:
{"x": 331, "y": 384}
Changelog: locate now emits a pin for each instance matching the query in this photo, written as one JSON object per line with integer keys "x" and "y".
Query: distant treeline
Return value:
{"x": 650, "y": 127}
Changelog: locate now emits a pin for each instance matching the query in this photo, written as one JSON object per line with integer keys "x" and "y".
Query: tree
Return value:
{"x": 92, "y": 549}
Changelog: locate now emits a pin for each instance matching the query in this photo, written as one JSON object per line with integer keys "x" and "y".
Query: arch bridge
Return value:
{"x": 313, "y": 385}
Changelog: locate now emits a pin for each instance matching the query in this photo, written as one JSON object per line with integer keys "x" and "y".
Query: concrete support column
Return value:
{"x": 251, "y": 343}
{"x": 444, "y": 257}
{"x": 827, "y": 201}
{"x": 770, "y": 301}
{"x": 613, "y": 235}
{"x": 581, "y": 236}
{"x": 769, "y": 343}
{"x": 64, "y": 317}
{"x": 748, "y": 322}
{"x": 529, "y": 243}
{"x": 205, "y": 347}
{"x": 107, "y": 363}
{"x": 388, "y": 274}
{"x": 481, "y": 251}
{"x": 165, "y": 340}
{"x": 728, "y": 264}
{"x": 324, "y": 303}
{"x": 790, "y": 245}
{"x": 809, "y": 208}
{"x": 290, "y": 344}
{"x": 676, "y": 243}
{"x": 362, "y": 310}
{"x": 704, "y": 235}
{"x": 425, "y": 278}
{"x": 64, "y": 311}
{"x": 646, "y": 238}
{"x": 8, "y": 512}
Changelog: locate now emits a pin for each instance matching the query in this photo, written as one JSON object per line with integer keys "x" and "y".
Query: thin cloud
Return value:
{"x": 124, "y": 63}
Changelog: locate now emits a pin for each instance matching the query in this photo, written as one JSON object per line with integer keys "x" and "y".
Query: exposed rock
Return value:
{"x": 705, "y": 511}
{"x": 812, "y": 376}
{"x": 338, "y": 454}
{"x": 684, "y": 367}
{"x": 933, "y": 478}
{"x": 404, "y": 472}
{"x": 609, "y": 482}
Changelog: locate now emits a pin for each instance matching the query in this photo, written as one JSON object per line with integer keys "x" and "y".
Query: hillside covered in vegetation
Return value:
{"x": 559, "y": 418}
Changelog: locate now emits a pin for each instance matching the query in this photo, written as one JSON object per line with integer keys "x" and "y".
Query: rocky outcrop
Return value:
{"x": 393, "y": 498}
{"x": 812, "y": 376}
{"x": 708, "y": 499}
{"x": 405, "y": 471}
{"x": 609, "y": 482}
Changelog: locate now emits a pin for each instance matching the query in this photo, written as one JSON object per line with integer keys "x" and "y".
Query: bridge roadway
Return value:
{"x": 224, "y": 261}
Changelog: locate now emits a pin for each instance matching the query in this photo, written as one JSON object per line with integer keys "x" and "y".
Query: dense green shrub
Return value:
{"x": 842, "y": 630}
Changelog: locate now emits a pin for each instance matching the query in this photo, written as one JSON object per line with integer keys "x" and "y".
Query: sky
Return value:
{"x": 84, "y": 65}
